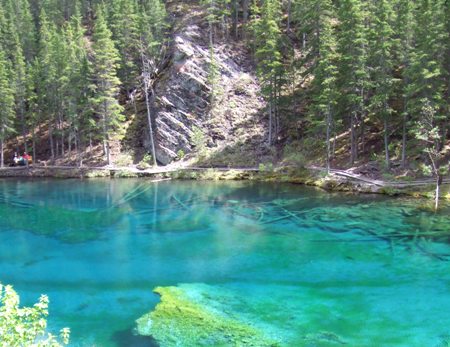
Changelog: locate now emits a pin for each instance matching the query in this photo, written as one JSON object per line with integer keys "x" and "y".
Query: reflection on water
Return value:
{"x": 308, "y": 267}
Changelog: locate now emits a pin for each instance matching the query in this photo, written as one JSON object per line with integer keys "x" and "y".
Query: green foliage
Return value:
{"x": 106, "y": 87}
{"x": 180, "y": 154}
{"x": 213, "y": 77}
{"x": 293, "y": 155}
{"x": 180, "y": 318}
{"x": 64, "y": 63}
{"x": 268, "y": 167}
{"x": 146, "y": 162}
{"x": 199, "y": 140}
{"x": 124, "y": 159}
{"x": 6, "y": 99}
{"x": 356, "y": 65}
{"x": 26, "y": 326}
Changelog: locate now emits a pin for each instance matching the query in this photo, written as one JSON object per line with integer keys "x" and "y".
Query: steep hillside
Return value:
{"x": 227, "y": 129}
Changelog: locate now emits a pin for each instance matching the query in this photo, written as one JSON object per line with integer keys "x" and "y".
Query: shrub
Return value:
{"x": 180, "y": 154}
{"x": 124, "y": 159}
{"x": 293, "y": 154}
{"x": 26, "y": 326}
{"x": 265, "y": 167}
{"x": 145, "y": 163}
{"x": 199, "y": 140}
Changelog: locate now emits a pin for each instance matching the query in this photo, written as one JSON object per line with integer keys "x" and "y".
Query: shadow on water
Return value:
{"x": 126, "y": 338}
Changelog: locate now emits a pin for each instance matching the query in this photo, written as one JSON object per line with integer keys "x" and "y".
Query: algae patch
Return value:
{"x": 180, "y": 318}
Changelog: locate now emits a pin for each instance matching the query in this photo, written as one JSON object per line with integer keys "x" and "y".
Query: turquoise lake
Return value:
{"x": 303, "y": 266}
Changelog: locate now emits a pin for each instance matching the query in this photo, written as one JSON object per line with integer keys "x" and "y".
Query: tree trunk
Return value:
{"x": 245, "y": 4}
{"x": 362, "y": 136}
{"x": 146, "y": 75}
{"x": 34, "y": 144}
{"x": 24, "y": 135}
{"x": 334, "y": 144}
{"x": 52, "y": 150}
{"x": 2, "y": 159}
{"x": 289, "y": 15}
{"x": 78, "y": 149}
{"x": 270, "y": 119}
{"x": 61, "y": 126}
{"x": 236, "y": 19}
{"x": 150, "y": 126}
{"x": 386, "y": 143}
{"x": 438, "y": 185}
{"x": 211, "y": 37}
{"x": 108, "y": 151}
{"x": 328, "y": 138}
{"x": 352, "y": 140}
{"x": 69, "y": 144}
{"x": 405, "y": 120}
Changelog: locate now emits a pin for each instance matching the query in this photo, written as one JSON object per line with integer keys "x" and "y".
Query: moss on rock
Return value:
{"x": 180, "y": 320}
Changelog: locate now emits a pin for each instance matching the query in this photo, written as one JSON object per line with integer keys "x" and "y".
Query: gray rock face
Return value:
{"x": 182, "y": 96}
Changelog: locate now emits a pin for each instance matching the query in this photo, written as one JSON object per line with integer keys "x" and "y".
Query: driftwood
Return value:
{"x": 179, "y": 202}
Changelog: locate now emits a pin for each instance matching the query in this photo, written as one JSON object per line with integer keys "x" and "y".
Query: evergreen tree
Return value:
{"x": 24, "y": 26}
{"x": 19, "y": 81}
{"x": 426, "y": 73}
{"x": 104, "y": 75}
{"x": 404, "y": 35}
{"x": 380, "y": 61}
{"x": 6, "y": 104}
{"x": 47, "y": 95}
{"x": 324, "y": 88}
{"x": 152, "y": 39}
{"x": 353, "y": 75}
{"x": 33, "y": 111}
{"x": 267, "y": 34}
{"x": 124, "y": 24}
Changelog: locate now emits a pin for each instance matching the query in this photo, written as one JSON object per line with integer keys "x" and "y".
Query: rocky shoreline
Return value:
{"x": 335, "y": 181}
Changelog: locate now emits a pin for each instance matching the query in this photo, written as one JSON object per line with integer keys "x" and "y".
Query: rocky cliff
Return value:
{"x": 231, "y": 125}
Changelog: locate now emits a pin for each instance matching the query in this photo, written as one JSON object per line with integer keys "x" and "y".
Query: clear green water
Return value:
{"x": 307, "y": 267}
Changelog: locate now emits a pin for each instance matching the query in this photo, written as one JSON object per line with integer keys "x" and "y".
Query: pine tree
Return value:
{"x": 78, "y": 109}
{"x": 219, "y": 12}
{"x": 381, "y": 64}
{"x": 324, "y": 87}
{"x": 47, "y": 94}
{"x": 353, "y": 75}
{"x": 6, "y": 104}
{"x": 427, "y": 76}
{"x": 124, "y": 24}
{"x": 24, "y": 26}
{"x": 105, "y": 63}
{"x": 19, "y": 81}
{"x": 267, "y": 34}
{"x": 152, "y": 39}
{"x": 404, "y": 35}
{"x": 152, "y": 27}
{"x": 33, "y": 112}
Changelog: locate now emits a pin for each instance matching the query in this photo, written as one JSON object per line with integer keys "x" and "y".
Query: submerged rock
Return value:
{"x": 181, "y": 319}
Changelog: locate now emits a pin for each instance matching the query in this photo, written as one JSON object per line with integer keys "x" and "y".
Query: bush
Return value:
{"x": 265, "y": 167}
{"x": 26, "y": 326}
{"x": 145, "y": 163}
{"x": 124, "y": 159}
{"x": 180, "y": 154}
{"x": 293, "y": 155}
{"x": 199, "y": 140}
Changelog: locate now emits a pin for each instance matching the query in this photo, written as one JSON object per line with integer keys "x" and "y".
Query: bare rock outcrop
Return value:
{"x": 182, "y": 101}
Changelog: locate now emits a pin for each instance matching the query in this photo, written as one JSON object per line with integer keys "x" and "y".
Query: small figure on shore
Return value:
{"x": 26, "y": 158}
{"x": 15, "y": 159}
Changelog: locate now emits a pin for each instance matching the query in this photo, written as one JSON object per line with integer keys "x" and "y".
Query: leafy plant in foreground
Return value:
{"x": 26, "y": 326}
